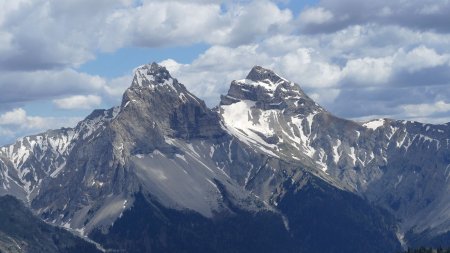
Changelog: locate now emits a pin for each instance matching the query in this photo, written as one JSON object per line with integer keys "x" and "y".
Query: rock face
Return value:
{"x": 268, "y": 154}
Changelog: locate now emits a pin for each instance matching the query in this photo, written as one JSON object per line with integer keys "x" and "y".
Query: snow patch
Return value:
{"x": 266, "y": 84}
{"x": 374, "y": 124}
{"x": 240, "y": 121}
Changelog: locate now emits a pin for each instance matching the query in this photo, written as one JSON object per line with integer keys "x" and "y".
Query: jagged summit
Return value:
{"x": 260, "y": 74}
{"x": 153, "y": 76}
{"x": 264, "y": 79}
{"x": 270, "y": 91}
{"x": 153, "y": 81}
{"x": 158, "y": 101}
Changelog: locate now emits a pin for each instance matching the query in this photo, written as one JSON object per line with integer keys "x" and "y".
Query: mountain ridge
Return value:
{"x": 266, "y": 132}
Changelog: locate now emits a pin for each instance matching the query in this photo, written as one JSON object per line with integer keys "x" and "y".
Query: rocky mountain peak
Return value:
{"x": 153, "y": 75}
{"x": 270, "y": 91}
{"x": 157, "y": 102}
{"x": 260, "y": 74}
{"x": 153, "y": 81}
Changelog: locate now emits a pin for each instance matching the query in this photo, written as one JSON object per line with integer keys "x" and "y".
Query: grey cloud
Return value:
{"x": 439, "y": 75}
{"x": 415, "y": 14}
{"x": 359, "y": 102}
{"x": 45, "y": 34}
{"x": 39, "y": 85}
{"x": 52, "y": 34}
{"x": 387, "y": 102}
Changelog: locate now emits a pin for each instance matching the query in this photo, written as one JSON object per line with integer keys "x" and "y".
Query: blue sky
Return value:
{"x": 360, "y": 59}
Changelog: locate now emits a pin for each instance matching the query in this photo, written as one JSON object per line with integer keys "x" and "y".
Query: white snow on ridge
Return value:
{"x": 374, "y": 124}
{"x": 336, "y": 154}
{"x": 144, "y": 79}
{"x": 239, "y": 121}
{"x": 239, "y": 116}
{"x": 266, "y": 84}
{"x": 141, "y": 76}
{"x": 53, "y": 146}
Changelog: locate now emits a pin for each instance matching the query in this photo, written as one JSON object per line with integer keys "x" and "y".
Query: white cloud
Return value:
{"x": 339, "y": 50}
{"x": 325, "y": 96}
{"x": 78, "y": 102}
{"x": 315, "y": 15}
{"x": 17, "y": 123}
{"x": 368, "y": 70}
{"x": 423, "y": 110}
{"x": 46, "y": 34}
{"x": 172, "y": 66}
{"x": 159, "y": 23}
{"x": 165, "y": 22}
{"x": 419, "y": 58}
{"x": 115, "y": 87}
{"x": 18, "y": 118}
{"x": 246, "y": 23}
{"x": 24, "y": 86}
{"x": 306, "y": 66}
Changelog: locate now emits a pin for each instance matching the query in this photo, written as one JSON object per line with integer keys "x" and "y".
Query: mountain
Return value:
{"x": 20, "y": 231}
{"x": 402, "y": 166}
{"x": 268, "y": 170}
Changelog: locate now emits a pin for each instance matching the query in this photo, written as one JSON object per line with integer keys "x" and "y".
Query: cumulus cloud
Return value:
{"x": 245, "y": 24}
{"x": 368, "y": 70}
{"x": 315, "y": 16}
{"x": 17, "y": 122}
{"x": 28, "y": 86}
{"x": 14, "y": 117}
{"x": 423, "y": 110}
{"x": 18, "y": 117}
{"x": 157, "y": 23}
{"x": 115, "y": 87}
{"x": 420, "y": 58}
{"x": 78, "y": 102}
{"x": 359, "y": 59}
{"x": 61, "y": 86}
{"x": 46, "y": 34}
